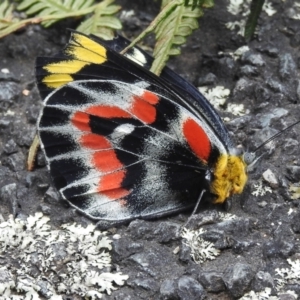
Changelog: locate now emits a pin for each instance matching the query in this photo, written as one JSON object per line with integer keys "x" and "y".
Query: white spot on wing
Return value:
{"x": 121, "y": 131}
{"x": 137, "y": 56}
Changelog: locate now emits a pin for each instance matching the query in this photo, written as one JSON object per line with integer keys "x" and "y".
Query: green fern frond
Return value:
{"x": 171, "y": 33}
{"x": 6, "y": 15}
{"x": 102, "y": 23}
{"x": 42, "y": 8}
{"x": 49, "y": 11}
{"x": 176, "y": 20}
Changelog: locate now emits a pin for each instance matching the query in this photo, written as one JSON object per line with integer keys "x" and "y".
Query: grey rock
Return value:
{"x": 22, "y": 193}
{"x": 25, "y": 136}
{"x": 293, "y": 173}
{"x": 168, "y": 290}
{"x": 120, "y": 295}
{"x": 141, "y": 229}
{"x": 148, "y": 284}
{"x": 10, "y": 147}
{"x": 213, "y": 235}
{"x": 32, "y": 114}
{"x": 9, "y": 91}
{"x": 227, "y": 63}
{"x": 248, "y": 71}
{"x": 244, "y": 88}
{"x": 52, "y": 196}
{"x": 275, "y": 86}
{"x": 4, "y": 175}
{"x": 263, "y": 280}
{"x": 295, "y": 40}
{"x": 290, "y": 146}
{"x": 286, "y": 296}
{"x": 212, "y": 281}
{"x": 224, "y": 66}
{"x": 278, "y": 248}
{"x": 266, "y": 119}
{"x": 167, "y": 231}
{"x": 190, "y": 289}
{"x": 5, "y": 276}
{"x": 208, "y": 79}
{"x": 238, "y": 123}
{"x": 262, "y": 94}
{"x": 184, "y": 253}
{"x": 31, "y": 179}
{"x": 44, "y": 289}
{"x": 224, "y": 242}
{"x": 270, "y": 51}
{"x": 287, "y": 66}
{"x": 5, "y": 122}
{"x": 153, "y": 261}
{"x": 16, "y": 161}
{"x": 8, "y": 77}
{"x": 296, "y": 223}
{"x": 45, "y": 209}
{"x": 125, "y": 247}
{"x": 254, "y": 59}
{"x": 271, "y": 178}
{"x": 236, "y": 227}
{"x": 237, "y": 278}
{"x": 262, "y": 204}
{"x": 241, "y": 246}
{"x": 262, "y": 135}
{"x": 8, "y": 194}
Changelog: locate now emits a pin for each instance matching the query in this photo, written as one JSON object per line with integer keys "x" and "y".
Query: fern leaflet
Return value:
{"x": 6, "y": 15}
{"x": 102, "y": 22}
{"x": 42, "y": 8}
{"x": 176, "y": 20}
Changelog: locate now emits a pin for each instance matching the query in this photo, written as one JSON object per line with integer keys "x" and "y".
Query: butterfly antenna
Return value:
{"x": 275, "y": 136}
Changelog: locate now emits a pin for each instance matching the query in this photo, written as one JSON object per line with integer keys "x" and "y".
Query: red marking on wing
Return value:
{"x": 108, "y": 112}
{"x": 81, "y": 121}
{"x": 197, "y": 139}
{"x": 106, "y": 161}
{"x": 150, "y": 97}
{"x": 94, "y": 141}
{"x": 110, "y": 185}
{"x": 143, "y": 110}
{"x": 116, "y": 193}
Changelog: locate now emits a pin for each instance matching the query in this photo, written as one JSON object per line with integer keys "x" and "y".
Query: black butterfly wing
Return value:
{"x": 124, "y": 145}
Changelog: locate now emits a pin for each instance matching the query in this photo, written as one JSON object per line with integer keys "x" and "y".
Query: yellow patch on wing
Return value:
{"x": 89, "y": 44}
{"x": 56, "y": 80}
{"x": 84, "y": 49}
{"x": 230, "y": 177}
{"x": 65, "y": 67}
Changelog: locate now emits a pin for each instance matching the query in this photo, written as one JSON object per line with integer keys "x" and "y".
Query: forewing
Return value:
{"x": 92, "y": 58}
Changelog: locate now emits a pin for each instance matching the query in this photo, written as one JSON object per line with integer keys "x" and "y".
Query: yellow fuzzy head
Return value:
{"x": 230, "y": 177}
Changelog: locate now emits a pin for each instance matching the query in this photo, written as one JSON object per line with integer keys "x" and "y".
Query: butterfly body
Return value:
{"x": 122, "y": 143}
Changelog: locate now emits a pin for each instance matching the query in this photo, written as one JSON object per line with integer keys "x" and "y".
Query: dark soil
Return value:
{"x": 267, "y": 229}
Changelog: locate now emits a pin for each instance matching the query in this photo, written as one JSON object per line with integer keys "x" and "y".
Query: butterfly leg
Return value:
{"x": 195, "y": 208}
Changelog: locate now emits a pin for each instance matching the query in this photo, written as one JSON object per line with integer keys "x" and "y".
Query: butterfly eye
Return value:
{"x": 249, "y": 158}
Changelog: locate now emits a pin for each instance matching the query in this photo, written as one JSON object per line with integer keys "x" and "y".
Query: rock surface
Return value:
{"x": 266, "y": 230}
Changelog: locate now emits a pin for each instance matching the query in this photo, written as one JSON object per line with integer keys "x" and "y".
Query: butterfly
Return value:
{"x": 122, "y": 143}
